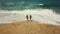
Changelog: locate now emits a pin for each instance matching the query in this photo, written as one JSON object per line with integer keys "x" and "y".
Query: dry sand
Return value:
{"x": 26, "y": 27}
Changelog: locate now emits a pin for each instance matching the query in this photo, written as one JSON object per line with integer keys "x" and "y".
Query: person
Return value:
{"x": 27, "y": 17}
{"x": 30, "y": 18}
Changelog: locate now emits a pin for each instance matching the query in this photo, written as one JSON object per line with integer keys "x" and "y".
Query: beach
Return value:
{"x": 29, "y": 27}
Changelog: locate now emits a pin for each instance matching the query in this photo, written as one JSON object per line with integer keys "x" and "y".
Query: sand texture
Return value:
{"x": 27, "y": 27}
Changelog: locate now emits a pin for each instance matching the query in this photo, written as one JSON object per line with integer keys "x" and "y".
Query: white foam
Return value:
{"x": 47, "y": 16}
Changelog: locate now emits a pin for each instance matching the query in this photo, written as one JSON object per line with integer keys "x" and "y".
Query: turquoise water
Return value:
{"x": 42, "y": 10}
{"x": 29, "y": 4}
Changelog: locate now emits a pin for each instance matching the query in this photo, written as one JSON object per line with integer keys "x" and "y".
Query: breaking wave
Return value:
{"x": 47, "y": 16}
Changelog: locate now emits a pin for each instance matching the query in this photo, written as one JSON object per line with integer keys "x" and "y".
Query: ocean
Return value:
{"x": 45, "y": 11}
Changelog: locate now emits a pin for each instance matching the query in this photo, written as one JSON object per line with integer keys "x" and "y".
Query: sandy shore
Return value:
{"x": 26, "y": 27}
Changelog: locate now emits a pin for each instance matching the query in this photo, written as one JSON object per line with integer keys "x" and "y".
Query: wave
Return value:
{"x": 47, "y": 16}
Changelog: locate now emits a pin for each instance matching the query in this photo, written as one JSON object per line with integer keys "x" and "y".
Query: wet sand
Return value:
{"x": 27, "y": 27}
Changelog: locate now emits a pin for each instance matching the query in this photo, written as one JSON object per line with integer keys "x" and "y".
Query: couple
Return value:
{"x": 29, "y": 17}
